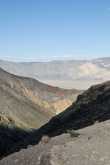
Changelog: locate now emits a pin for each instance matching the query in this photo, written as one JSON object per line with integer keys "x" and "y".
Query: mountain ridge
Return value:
{"x": 90, "y": 107}
{"x": 79, "y": 74}
{"x": 39, "y": 100}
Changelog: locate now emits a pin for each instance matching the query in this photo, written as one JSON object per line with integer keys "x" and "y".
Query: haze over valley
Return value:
{"x": 68, "y": 74}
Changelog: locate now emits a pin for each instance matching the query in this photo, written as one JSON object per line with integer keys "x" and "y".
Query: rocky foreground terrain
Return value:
{"x": 83, "y": 129}
{"x": 91, "y": 147}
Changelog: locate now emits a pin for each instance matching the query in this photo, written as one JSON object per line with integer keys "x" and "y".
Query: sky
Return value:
{"x": 32, "y": 30}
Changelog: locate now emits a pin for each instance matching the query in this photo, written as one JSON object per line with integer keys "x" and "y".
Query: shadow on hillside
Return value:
{"x": 13, "y": 139}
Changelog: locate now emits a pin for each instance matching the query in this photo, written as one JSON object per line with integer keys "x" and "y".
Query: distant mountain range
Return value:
{"x": 67, "y": 74}
{"x": 26, "y": 102}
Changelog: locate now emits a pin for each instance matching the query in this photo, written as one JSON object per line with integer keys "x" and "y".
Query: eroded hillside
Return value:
{"x": 29, "y": 102}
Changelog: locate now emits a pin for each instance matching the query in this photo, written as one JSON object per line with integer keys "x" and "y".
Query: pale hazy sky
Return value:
{"x": 54, "y": 29}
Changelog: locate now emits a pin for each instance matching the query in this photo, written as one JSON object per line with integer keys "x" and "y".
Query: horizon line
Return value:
{"x": 27, "y": 60}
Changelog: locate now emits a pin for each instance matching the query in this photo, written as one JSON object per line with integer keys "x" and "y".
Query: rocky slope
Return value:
{"x": 91, "y": 147}
{"x": 91, "y": 107}
{"x": 29, "y": 102}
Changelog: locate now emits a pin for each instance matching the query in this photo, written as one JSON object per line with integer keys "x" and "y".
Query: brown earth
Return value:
{"x": 29, "y": 102}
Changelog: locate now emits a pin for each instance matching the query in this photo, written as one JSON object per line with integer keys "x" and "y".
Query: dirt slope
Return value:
{"x": 30, "y": 102}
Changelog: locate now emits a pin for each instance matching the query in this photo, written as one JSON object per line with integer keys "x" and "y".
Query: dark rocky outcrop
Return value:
{"x": 92, "y": 106}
